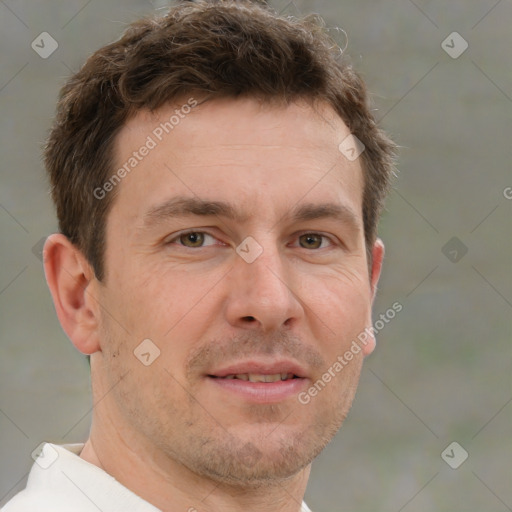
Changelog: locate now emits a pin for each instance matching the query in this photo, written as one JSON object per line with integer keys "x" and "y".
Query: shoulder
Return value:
{"x": 60, "y": 481}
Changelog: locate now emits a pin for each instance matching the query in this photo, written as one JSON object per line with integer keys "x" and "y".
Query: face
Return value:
{"x": 236, "y": 245}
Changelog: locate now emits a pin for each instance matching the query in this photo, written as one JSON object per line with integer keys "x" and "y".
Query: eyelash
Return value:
{"x": 184, "y": 233}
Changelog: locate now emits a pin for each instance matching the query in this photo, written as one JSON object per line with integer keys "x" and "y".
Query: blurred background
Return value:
{"x": 440, "y": 74}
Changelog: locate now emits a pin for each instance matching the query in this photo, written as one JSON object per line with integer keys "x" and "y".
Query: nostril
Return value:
{"x": 249, "y": 318}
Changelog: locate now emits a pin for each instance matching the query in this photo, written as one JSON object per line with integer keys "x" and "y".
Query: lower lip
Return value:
{"x": 262, "y": 392}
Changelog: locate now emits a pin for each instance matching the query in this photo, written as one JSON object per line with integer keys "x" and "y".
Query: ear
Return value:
{"x": 69, "y": 276}
{"x": 377, "y": 258}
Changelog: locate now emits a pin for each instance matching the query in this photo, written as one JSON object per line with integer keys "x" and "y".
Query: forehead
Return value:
{"x": 257, "y": 154}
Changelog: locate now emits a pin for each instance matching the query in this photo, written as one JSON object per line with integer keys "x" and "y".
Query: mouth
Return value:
{"x": 261, "y": 371}
{"x": 258, "y": 377}
{"x": 260, "y": 382}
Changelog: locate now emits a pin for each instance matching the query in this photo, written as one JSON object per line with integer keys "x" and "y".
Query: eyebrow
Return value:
{"x": 189, "y": 206}
{"x": 186, "y": 206}
{"x": 313, "y": 211}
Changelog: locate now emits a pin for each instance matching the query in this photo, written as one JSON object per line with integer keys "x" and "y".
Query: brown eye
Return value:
{"x": 194, "y": 239}
{"x": 311, "y": 241}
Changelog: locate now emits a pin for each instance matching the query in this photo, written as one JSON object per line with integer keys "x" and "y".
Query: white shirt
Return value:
{"x": 60, "y": 481}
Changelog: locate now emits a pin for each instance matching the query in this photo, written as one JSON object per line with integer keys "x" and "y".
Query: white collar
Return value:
{"x": 60, "y": 477}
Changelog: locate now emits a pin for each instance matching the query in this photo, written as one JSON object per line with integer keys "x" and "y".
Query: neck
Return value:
{"x": 168, "y": 485}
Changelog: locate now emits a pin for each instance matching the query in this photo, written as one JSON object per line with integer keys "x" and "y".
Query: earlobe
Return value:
{"x": 69, "y": 275}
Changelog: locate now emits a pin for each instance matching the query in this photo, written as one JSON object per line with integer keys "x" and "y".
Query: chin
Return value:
{"x": 264, "y": 472}
{"x": 264, "y": 460}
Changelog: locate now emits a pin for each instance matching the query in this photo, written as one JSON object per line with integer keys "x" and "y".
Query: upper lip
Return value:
{"x": 260, "y": 368}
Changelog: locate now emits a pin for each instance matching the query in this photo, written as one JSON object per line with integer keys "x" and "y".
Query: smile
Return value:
{"x": 258, "y": 377}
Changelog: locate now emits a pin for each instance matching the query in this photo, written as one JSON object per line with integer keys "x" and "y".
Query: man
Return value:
{"x": 218, "y": 178}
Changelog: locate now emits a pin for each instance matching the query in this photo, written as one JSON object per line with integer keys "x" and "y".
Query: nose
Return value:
{"x": 261, "y": 294}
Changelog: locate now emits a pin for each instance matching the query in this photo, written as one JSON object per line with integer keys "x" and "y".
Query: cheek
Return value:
{"x": 172, "y": 307}
{"x": 150, "y": 298}
{"x": 342, "y": 301}
{"x": 337, "y": 312}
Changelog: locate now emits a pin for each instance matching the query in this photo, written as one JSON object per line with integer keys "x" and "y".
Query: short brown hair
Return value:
{"x": 216, "y": 48}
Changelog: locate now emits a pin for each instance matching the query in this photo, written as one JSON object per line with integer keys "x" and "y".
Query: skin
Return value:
{"x": 167, "y": 431}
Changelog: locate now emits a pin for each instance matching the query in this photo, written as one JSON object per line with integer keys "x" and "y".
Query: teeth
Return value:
{"x": 256, "y": 377}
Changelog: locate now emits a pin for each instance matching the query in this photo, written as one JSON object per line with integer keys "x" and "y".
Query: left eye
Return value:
{"x": 312, "y": 240}
{"x": 193, "y": 239}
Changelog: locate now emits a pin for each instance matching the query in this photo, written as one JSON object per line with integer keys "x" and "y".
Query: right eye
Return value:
{"x": 192, "y": 239}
